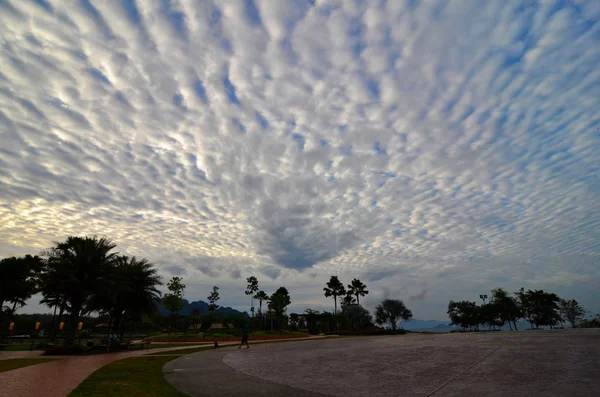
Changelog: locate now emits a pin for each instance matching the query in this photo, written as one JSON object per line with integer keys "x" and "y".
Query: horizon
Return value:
{"x": 431, "y": 149}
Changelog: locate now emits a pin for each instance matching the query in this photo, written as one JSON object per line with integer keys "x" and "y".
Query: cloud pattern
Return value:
{"x": 416, "y": 144}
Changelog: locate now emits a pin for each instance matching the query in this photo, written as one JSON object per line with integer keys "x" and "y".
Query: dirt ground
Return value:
{"x": 525, "y": 363}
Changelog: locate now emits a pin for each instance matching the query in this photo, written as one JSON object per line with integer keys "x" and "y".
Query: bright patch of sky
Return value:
{"x": 434, "y": 149}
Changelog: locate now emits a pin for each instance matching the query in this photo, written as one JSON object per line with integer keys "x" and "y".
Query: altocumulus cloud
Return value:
{"x": 447, "y": 144}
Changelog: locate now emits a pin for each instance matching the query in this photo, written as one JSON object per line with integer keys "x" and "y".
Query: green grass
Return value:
{"x": 181, "y": 352}
{"x": 166, "y": 345}
{"x": 9, "y": 365}
{"x": 137, "y": 376}
{"x": 131, "y": 377}
{"x": 19, "y": 347}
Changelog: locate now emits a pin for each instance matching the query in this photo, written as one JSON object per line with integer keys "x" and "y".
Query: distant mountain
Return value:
{"x": 416, "y": 324}
{"x": 444, "y": 326}
{"x": 201, "y": 306}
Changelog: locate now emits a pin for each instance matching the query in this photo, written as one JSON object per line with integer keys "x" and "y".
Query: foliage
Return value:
{"x": 348, "y": 300}
{"x": 261, "y": 296}
{"x": 278, "y": 304}
{"x": 391, "y": 311}
{"x": 172, "y": 300}
{"x": 357, "y": 289}
{"x": 76, "y": 270}
{"x": 18, "y": 280}
{"x": 279, "y": 301}
{"x": 540, "y": 307}
{"x": 357, "y": 318}
{"x": 590, "y": 323}
{"x": 571, "y": 311}
{"x": 507, "y": 306}
{"x": 335, "y": 288}
{"x": 252, "y": 287}
{"x": 130, "y": 289}
{"x": 213, "y": 298}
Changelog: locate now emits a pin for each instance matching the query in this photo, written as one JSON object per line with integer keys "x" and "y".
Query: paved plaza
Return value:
{"x": 525, "y": 363}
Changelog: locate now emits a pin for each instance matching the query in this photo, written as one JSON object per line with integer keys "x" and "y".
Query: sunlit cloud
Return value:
{"x": 432, "y": 148}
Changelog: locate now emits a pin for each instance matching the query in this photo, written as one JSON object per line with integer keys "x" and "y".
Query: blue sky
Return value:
{"x": 434, "y": 149}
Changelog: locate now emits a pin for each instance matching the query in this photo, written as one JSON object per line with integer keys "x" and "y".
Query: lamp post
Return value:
{"x": 483, "y": 298}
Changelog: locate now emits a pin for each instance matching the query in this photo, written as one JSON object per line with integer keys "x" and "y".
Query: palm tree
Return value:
{"x": 131, "y": 289}
{"x": 358, "y": 289}
{"x": 251, "y": 290}
{"x": 77, "y": 269}
{"x": 261, "y": 296}
{"x": 334, "y": 288}
{"x": 391, "y": 311}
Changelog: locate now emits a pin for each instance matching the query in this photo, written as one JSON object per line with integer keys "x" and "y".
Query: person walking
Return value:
{"x": 244, "y": 337}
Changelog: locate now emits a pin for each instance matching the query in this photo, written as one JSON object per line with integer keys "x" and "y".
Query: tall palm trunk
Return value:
{"x": 60, "y": 316}
{"x": 262, "y": 325}
{"x": 52, "y": 333}
{"x": 72, "y": 324}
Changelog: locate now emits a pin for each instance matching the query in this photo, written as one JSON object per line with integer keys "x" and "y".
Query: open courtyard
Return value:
{"x": 525, "y": 363}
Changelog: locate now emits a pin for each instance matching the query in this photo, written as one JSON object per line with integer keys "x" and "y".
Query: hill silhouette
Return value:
{"x": 202, "y": 308}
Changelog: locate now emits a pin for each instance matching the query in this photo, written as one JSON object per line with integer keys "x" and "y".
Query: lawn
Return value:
{"x": 181, "y": 352}
{"x": 131, "y": 377}
{"x": 19, "y": 347}
{"x": 166, "y": 345}
{"x": 137, "y": 376}
{"x": 9, "y": 365}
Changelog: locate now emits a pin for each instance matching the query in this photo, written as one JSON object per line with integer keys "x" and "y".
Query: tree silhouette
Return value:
{"x": 19, "y": 279}
{"x": 348, "y": 300}
{"x": 357, "y": 317}
{"x": 213, "y": 298}
{"x": 130, "y": 289}
{"x": 251, "y": 290}
{"x": 392, "y": 311}
{"x": 571, "y": 311}
{"x": 465, "y": 314}
{"x": 173, "y": 300}
{"x": 76, "y": 269}
{"x": 357, "y": 289}
{"x": 334, "y": 288}
{"x": 261, "y": 296}
{"x": 507, "y": 306}
{"x": 278, "y": 303}
{"x": 540, "y": 307}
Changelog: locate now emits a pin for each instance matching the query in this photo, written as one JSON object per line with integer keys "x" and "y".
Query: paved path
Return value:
{"x": 528, "y": 363}
{"x": 59, "y": 377}
{"x": 205, "y": 375}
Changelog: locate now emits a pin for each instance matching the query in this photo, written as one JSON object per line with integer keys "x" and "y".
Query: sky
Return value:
{"x": 433, "y": 149}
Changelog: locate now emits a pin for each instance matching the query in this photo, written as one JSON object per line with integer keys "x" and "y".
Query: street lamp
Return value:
{"x": 483, "y": 298}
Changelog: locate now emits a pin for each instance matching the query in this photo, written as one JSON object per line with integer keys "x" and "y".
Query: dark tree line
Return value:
{"x": 539, "y": 308}
{"x": 79, "y": 276}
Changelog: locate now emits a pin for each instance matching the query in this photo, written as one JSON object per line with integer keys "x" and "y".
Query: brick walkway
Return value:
{"x": 58, "y": 378}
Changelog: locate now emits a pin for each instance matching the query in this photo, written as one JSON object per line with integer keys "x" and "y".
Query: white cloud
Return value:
{"x": 419, "y": 145}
